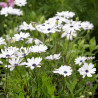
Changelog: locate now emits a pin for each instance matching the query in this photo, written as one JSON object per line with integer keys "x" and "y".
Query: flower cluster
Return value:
{"x": 8, "y": 8}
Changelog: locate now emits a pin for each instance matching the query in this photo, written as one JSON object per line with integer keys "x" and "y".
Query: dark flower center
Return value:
{"x": 80, "y": 60}
{"x": 16, "y": 64}
{"x": 57, "y": 19}
{"x": 7, "y": 55}
{"x": 71, "y": 26}
{"x": 65, "y": 72}
{"x": 43, "y": 25}
{"x": 48, "y": 29}
{"x": 33, "y": 64}
{"x": 86, "y": 71}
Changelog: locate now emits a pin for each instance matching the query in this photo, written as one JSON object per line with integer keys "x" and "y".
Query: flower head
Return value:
{"x": 87, "y": 69}
{"x": 64, "y": 70}
{"x": 80, "y": 60}
{"x": 53, "y": 57}
{"x": 33, "y": 62}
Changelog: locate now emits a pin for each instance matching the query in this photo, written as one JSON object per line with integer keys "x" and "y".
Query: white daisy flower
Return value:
{"x": 20, "y": 2}
{"x": 80, "y": 60}
{"x": 21, "y": 36}
{"x": 33, "y": 62}
{"x": 14, "y": 62}
{"x": 2, "y": 41}
{"x": 25, "y": 26}
{"x": 53, "y": 57}
{"x": 23, "y": 51}
{"x": 1, "y": 62}
{"x": 87, "y": 25}
{"x": 65, "y": 14}
{"x": 70, "y": 29}
{"x": 8, "y": 52}
{"x": 37, "y": 41}
{"x": 39, "y": 48}
{"x": 46, "y": 28}
{"x": 87, "y": 69}
{"x": 64, "y": 70}
{"x": 9, "y": 10}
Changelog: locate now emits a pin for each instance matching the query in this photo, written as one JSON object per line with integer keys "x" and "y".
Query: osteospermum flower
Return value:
{"x": 9, "y": 10}
{"x": 2, "y": 41}
{"x": 70, "y": 29}
{"x": 65, "y": 14}
{"x": 20, "y": 2}
{"x": 37, "y": 41}
{"x": 80, "y": 60}
{"x": 25, "y": 26}
{"x": 53, "y": 57}
{"x": 21, "y": 36}
{"x": 39, "y": 48}
{"x": 33, "y": 62}
{"x": 64, "y": 70}
{"x": 14, "y": 62}
{"x": 87, "y": 25}
{"x": 8, "y": 52}
{"x": 87, "y": 69}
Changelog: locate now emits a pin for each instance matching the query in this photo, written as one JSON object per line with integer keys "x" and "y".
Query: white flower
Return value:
{"x": 53, "y": 57}
{"x": 2, "y": 41}
{"x": 37, "y": 41}
{"x": 9, "y": 10}
{"x": 1, "y": 62}
{"x": 23, "y": 51}
{"x": 87, "y": 25}
{"x": 39, "y": 48}
{"x": 46, "y": 28}
{"x": 65, "y": 14}
{"x": 20, "y": 2}
{"x": 64, "y": 70}
{"x": 8, "y": 52}
{"x": 90, "y": 58}
{"x": 14, "y": 62}
{"x": 70, "y": 29}
{"x": 87, "y": 69}
{"x": 21, "y": 36}
{"x": 80, "y": 60}
{"x": 33, "y": 62}
{"x": 25, "y": 26}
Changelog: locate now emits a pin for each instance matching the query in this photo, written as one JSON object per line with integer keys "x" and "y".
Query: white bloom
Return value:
{"x": 8, "y": 52}
{"x": 53, "y": 57}
{"x": 20, "y": 2}
{"x": 70, "y": 29}
{"x": 21, "y": 36}
{"x": 33, "y": 62}
{"x": 87, "y": 25}
{"x": 2, "y": 41}
{"x": 64, "y": 70}
{"x": 14, "y": 62}
{"x": 65, "y": 14}
{"x": 46, "y": 28}
{"x": 37, "y": 41}
{"x": 80, "y": 60}
{"x": 23, "y": 51}
{"x": 90, "y": 58}
{"x": 9, "y": 10}
{"x": 1, "y": 62}
{"x": 39, "y": 48}
{"x": 87, "y": 69}
{"x": 25, "y": 26}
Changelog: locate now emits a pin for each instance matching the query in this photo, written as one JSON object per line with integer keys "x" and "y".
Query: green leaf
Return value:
{"x": 21, "y": 95}
{"x": 92, "y": 43}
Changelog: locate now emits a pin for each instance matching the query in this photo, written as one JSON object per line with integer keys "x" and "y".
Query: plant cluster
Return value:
{"x": 49, "y": 59}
